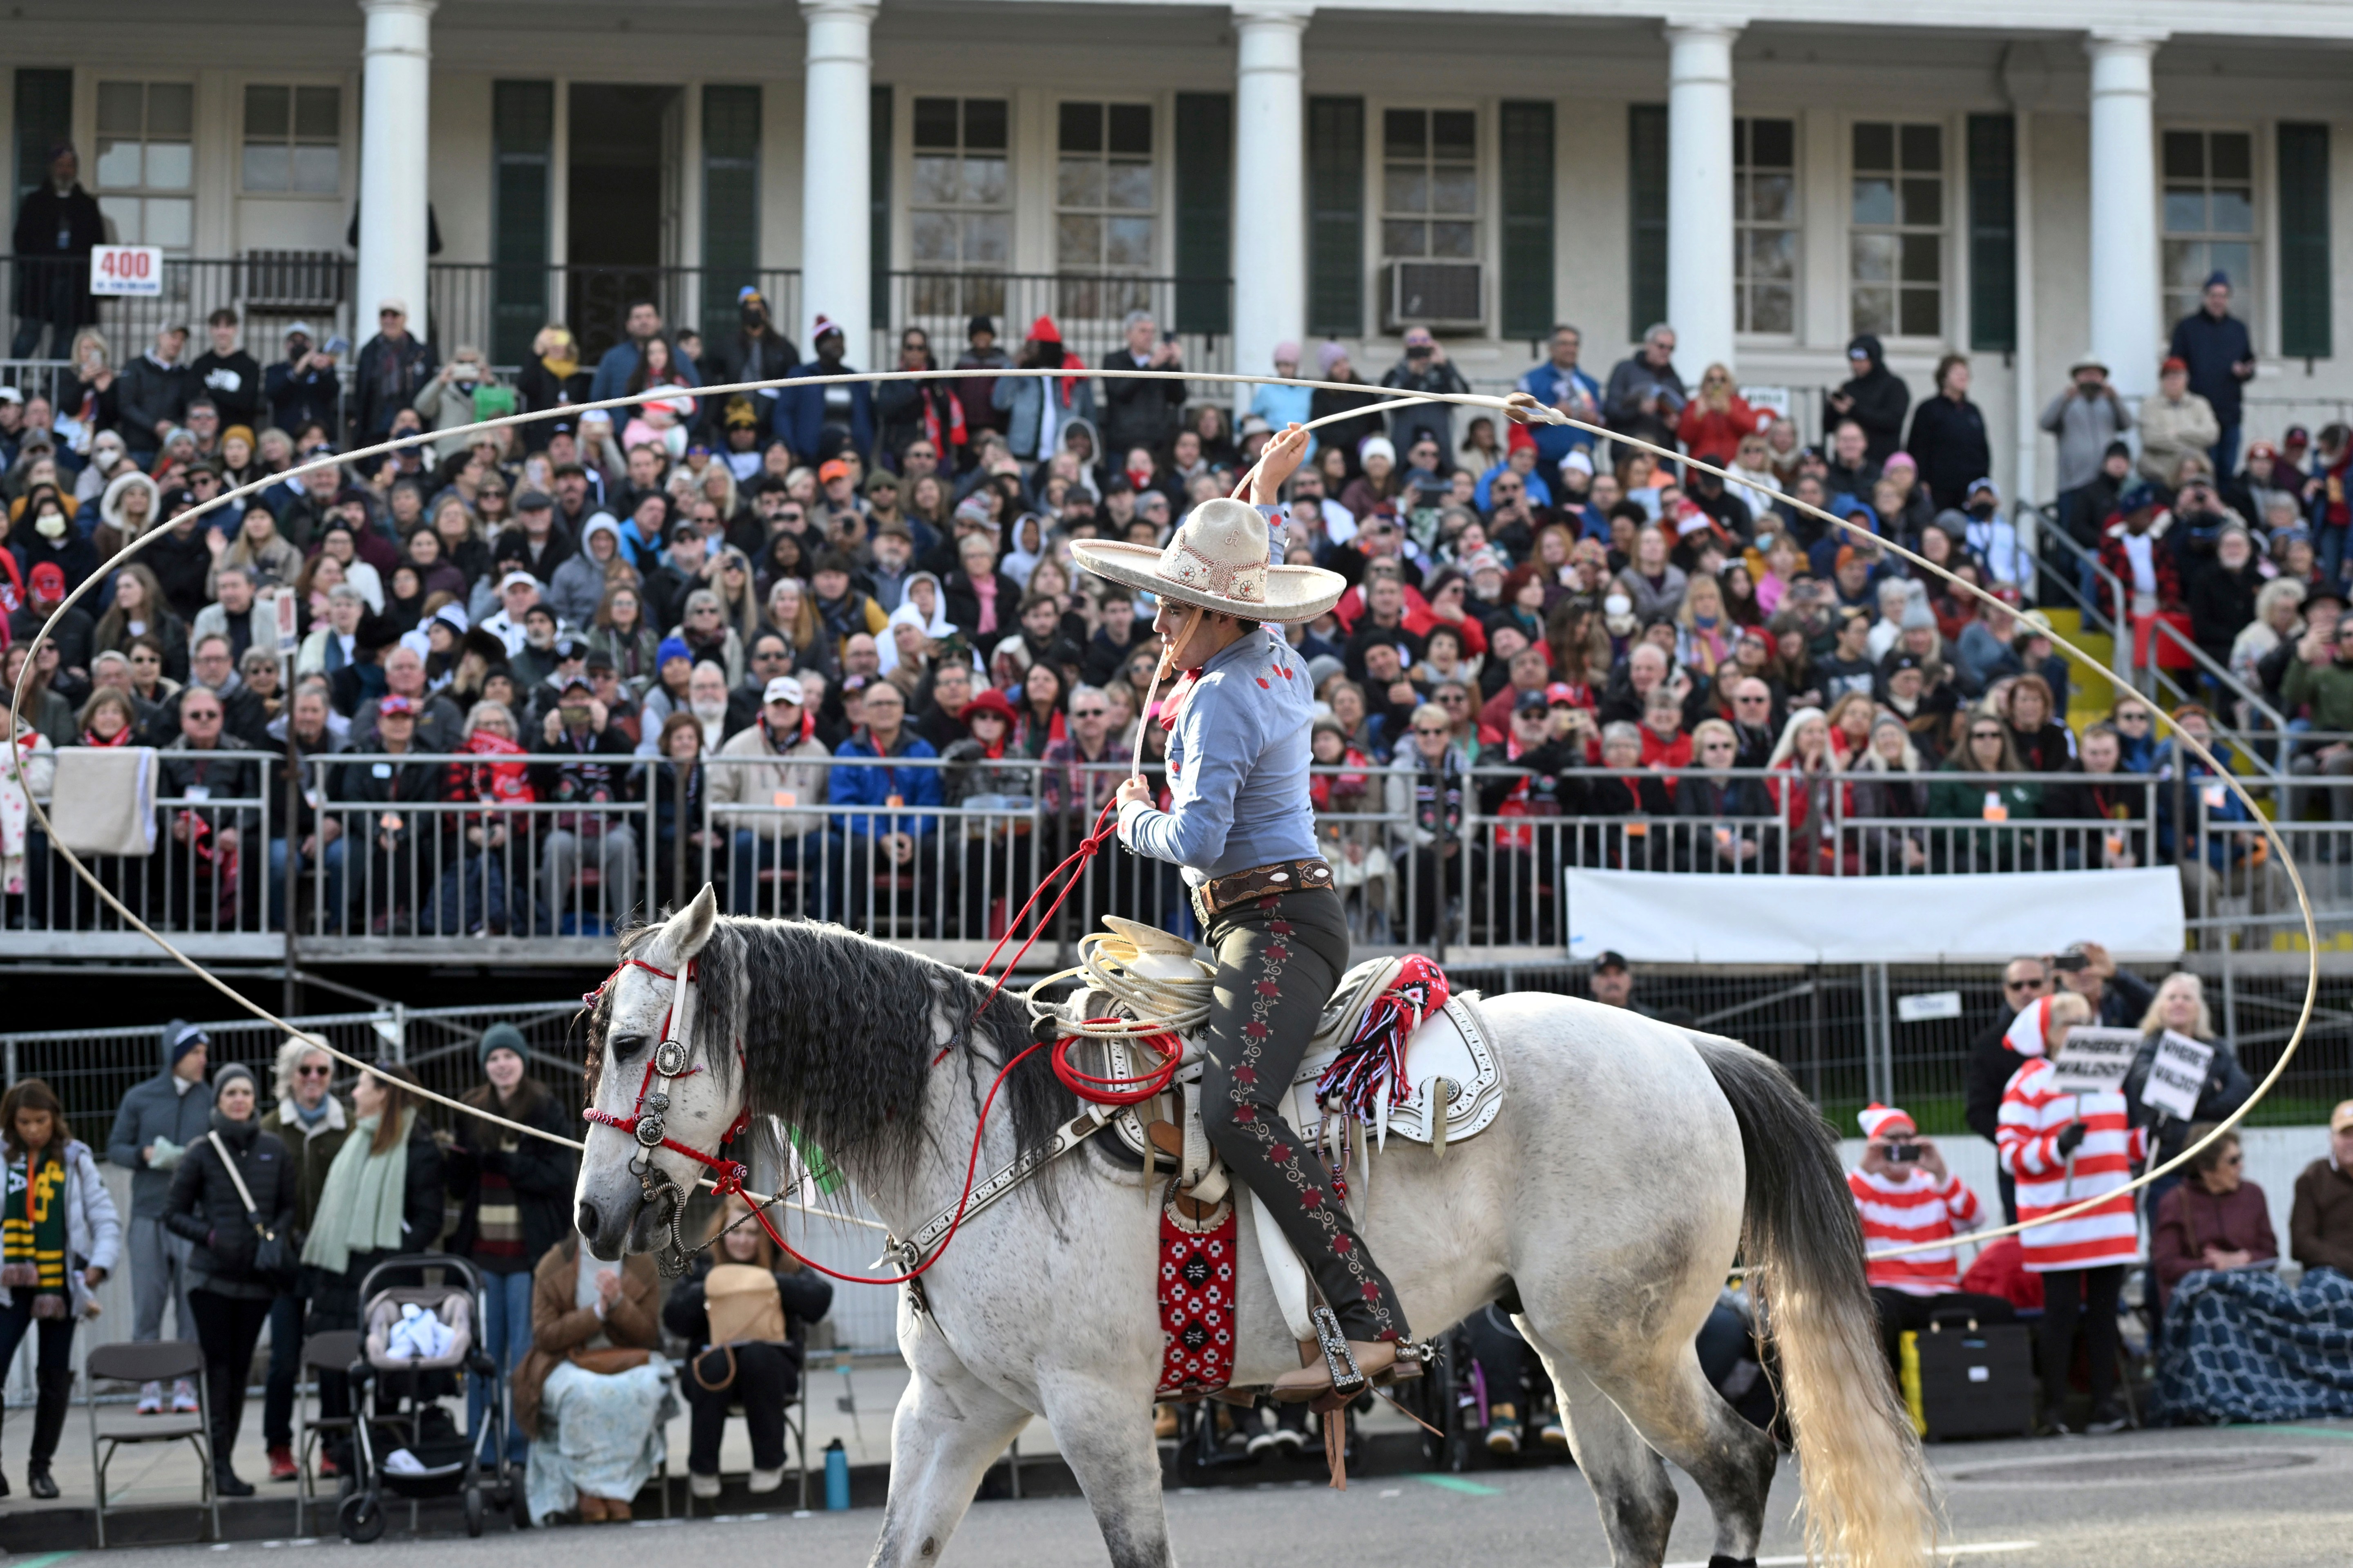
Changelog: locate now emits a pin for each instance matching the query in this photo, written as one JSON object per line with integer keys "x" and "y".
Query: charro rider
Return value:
{"x": 1240, "y": 823}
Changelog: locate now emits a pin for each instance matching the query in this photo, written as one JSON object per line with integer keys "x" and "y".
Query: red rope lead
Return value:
{"x": 1106, "y": 829}
{"x": 1118, "y": 1091}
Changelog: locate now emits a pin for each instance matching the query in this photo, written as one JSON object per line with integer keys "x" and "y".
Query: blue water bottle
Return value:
{"x": 837, "y": 1478}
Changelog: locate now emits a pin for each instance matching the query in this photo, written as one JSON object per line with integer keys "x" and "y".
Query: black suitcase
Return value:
{"x": 1975, "y": 1381}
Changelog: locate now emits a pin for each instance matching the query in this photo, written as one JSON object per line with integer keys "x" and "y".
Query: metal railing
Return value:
{"x": 1090, "y": 308}
{"x": 499, "y": 307}
{"x": 2073, "y": 566}
{"x": 267, "y": 289}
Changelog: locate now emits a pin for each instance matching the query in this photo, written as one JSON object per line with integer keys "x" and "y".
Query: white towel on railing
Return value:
{"x": 104, "y": 801}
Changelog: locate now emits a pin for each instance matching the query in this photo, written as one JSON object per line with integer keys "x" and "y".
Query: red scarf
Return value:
{"x": 121, "y": 738}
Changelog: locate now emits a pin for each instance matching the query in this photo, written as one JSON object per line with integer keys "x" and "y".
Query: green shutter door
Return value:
{"x": 1993, "y": 232}
{"x": 1526, "y": 149}
{"x": 2305, "y": 323}
{"x": 1336, "y": 205}
{"x": 879, "y": 160}
{"x": 1205, "y": 221}
{"x": 44, "y": 119}
{"x": 523, "y": 134}
{"x": 1646, "y": 187}
{"x": 730, "y": 201}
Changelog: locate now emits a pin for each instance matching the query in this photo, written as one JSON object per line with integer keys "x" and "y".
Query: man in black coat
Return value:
{"x": 229, "y": 375}
{"x": 153, "y": 393}
{"x": 392, "y": 368}
{"x": 1991, "y": 1063}
{"x": 303, "y": 388}
{"x": 755, "y": 351}
{"x": 1949, "y": 438}
{"x": 1138, "y": 413}
{"x": 1873, "y": 397}
{"x": 2221, "y": 359}
{"x": 200, "y": 836}
{"x": 56, "y": 224}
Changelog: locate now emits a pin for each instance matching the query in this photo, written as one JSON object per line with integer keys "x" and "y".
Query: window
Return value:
{"x": 293, "y": 139}
{"x": 1896, "y": 234}
{"x": 1104, "y": 204}
{"x": 1765, "y": 224}
{"x": 146, "y": 166}
{"x": 1523, "y": 147}
{"x": 2304, "y": 275}
{"x": 1429, "y": 185}
{"x": 962, "y": 206}
{"x": 2210, "y": 218}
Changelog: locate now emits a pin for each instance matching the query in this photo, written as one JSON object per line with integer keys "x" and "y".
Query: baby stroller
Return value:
{"x": 418, "y": 1339}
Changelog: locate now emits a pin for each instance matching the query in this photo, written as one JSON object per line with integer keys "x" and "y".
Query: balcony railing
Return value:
{"x": 1090, "y": 310}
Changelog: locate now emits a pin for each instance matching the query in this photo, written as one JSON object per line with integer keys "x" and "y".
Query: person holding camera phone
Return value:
{"x": 1904, "y": 1195}
{"x": 1424, "y": 368}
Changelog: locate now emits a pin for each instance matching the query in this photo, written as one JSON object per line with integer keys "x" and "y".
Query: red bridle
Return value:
{"x": 644, "y": 1122}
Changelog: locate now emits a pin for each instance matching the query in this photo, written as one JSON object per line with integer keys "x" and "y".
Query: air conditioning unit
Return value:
{"x": 1436, "y": 294}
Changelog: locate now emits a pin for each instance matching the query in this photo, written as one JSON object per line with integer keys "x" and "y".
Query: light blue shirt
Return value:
{"x": 1237, "y": 767}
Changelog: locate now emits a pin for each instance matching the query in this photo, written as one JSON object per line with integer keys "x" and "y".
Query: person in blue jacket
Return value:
{"x": 2221, "y": 359}
{"x": 881, "y": 842}
{"x": 802, "y": 413}
{"x": 620, "y": 361}
{"x": 153, "y": 1128}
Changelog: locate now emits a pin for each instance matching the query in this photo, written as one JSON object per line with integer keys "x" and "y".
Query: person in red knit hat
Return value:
{"x": 1905, "y": 1196}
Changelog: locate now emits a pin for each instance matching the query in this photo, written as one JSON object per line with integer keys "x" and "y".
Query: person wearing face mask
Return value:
{"x": 45, "y": 531}
{"x": 230, "y": 1295}
{"x": 755, "y": 351}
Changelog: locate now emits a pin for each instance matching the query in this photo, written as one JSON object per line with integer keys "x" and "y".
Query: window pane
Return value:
{"x": 1081, "y": 183}
{"x": 121, "y": 215}
{"x": 171, "y": 108}
{"x": 1739, "y": 141}
{"x": 2185, "y": 264}
{"x": 1874, "y": 310}
{"x": 1453, "y": 188}
{"x": 121, "y": 108}
{"x": 170, "y": 165}
{"x": 1924, "y": 203}
{"x": 1082, "y": 128}
{"x": 985, "y": 124}
{"x": 1740, "y": 196}
{"x": 933, "y": 236}
{"x": 1873, "y": 257}
{"x": 1922, "y": 318}
{"x": 1128, "y": 185}
{"x": 266, "y": 113}
{"x": 934, "y": 178}
{"x": 1875, "y": 146}
{"x": 1923, "y": 148}
{"x": 1405, "y": 132}
{"x": 2185, "y": 209}
{"x": 118, "y": 165}
{"x": 1131, "y": 128}
{"x": 1455, "y": 241}
{"x": 2237, "y": 260}
{"x": 936, "y": 123}
{"x": 1771, "y": 310}
{"x": 988, "y": 239}
{"x": 1773, "y": 143}
{"x": 1406, "y": 189}
{"x": 2233, "y": 210}
{"x": 169, "y": 222}
{"x": 1127, "y": 242}
{"x": 2232, "y": 154}
{"x": 1874, "y": 201}
{"x": 1771, "y": 197}
{"x": 984, "y": 181}
{"x": 2185, "y": 155}
{"x": 1773, "y": 253}
{"x": 1404, "y": 238}
{"x": 1078, "y": 239}
{"x": 1922, "y": 258}
{"x": 268, "y": 166}
{"x": 319, "y": 113}
{"x": 1454, "y": 133}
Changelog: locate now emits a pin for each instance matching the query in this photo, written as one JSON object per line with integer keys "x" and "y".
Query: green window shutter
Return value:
{"x": 1336, "y": 206}
{"x": 522, "y": 135}
{"x": 44, "y": 119}
{"x": 1646, "y": 185}
{"x": 878, "y": 135}
{"x": 1527, "y": 210}
{"x": 2305, "y": 326}
{"x": 1205, "y": 219}
{"x": 730, "y": 200}
{"x": 1993, "y": 232}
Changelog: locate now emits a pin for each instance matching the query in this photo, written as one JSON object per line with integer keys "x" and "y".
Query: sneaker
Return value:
{"x": 40, "y": 1482}
{"x": 2106, "y": 1419}
{"x": 1291, "y": 1440}
{"x": 281, "y": 1464}
{"x": 1503, "y": 1429}
{"x": 700, "y": 1485}
{"x": 327, "y": 1465}
{"x": 766, "y": 1480}
{"x": 151, "y": 1399}
{"x": 1262, "y": 1443}
{"x": 183, "y": 1398}
{"x": 1552, "y": 1433}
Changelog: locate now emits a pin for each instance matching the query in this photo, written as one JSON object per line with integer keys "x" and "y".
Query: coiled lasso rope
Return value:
{"x": 1519, "y": 408}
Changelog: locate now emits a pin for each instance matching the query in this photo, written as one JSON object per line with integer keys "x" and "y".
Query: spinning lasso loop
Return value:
{"x": 1521, "y": 410}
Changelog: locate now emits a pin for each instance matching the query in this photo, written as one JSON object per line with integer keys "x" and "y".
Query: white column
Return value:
{"x": 837, "y": 178}
{"x": 1269, "y": 187}
{"x": 2124, "y": 304}
{"x": 396, "y": 136}
{"x": 1699, "y": 195}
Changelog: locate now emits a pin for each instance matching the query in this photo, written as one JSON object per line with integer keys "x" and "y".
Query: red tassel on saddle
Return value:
{"x": 1377, "y": 1048}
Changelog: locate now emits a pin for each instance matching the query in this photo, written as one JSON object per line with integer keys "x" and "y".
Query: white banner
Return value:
{"x": 2176, "y": 1077}
{"x": 1677, "y": 918}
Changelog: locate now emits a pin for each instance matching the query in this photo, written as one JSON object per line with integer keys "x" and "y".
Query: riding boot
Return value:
{"x": 55, "y": 1387}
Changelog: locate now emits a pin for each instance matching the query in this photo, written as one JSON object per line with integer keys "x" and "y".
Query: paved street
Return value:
{"x": 2242, "y": 1497}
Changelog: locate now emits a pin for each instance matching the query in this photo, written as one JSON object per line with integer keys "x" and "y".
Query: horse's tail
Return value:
{"x": 1866, "y": 1487}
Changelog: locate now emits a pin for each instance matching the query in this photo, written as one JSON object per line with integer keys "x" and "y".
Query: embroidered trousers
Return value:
{"x": 1278, "y": 961}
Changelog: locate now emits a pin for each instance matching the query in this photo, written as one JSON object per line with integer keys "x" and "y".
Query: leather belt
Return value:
{"x": 1218, "y": 894}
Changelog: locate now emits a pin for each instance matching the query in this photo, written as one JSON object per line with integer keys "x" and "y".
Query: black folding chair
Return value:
{"x": 112, "y": 1427}
{"x": 332, "y": 1351}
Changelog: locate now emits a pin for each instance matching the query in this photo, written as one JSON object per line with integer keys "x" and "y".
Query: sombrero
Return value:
{"x": 1218, "y": 560}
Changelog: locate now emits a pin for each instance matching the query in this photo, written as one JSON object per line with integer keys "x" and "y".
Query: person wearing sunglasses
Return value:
{"x": 311, "y": 1122}
{"x": 2215, "y": 1218}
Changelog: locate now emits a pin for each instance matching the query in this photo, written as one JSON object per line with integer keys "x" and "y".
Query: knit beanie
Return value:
{"x": 1883, "y": 1121}
{"x": 180, "y": 1037}
{"x": 500, "y": 1037}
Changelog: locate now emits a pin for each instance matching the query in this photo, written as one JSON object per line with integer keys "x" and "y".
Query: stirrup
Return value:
{"x": 1346, "y": 1370}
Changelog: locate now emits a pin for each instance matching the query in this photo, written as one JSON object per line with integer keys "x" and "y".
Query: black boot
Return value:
{"x": 227, "y": 1483}
{"x": 55, "y": 1387}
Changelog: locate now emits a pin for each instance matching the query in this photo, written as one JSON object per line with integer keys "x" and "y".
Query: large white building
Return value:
{"x": 2024, "y": 183}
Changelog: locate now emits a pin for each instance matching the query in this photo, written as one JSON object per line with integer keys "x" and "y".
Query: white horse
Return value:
{"x": 1632, "y": 1162}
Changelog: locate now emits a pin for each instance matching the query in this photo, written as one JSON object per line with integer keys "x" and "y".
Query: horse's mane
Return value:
{"x": 837, "y": 1032}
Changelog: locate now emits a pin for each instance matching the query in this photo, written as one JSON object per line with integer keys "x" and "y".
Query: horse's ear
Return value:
{"x": 692, "y": 927}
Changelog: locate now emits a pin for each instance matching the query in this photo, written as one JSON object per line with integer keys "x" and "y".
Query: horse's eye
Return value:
{"x": 622, "y": 1047}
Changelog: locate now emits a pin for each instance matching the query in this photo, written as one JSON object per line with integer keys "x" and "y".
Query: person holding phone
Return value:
{"x": 1141, "y": 412}
{"x": 1905, "y": 1196}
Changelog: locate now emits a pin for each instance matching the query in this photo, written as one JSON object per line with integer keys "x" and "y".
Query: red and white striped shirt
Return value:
{"x": 1902, "y": 1213}
{"x": 2034, "y": 1111}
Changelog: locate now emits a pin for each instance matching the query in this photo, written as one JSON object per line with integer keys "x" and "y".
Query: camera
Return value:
{"x": 2073, "y": 962}
{"x": 1903, "y": 1154}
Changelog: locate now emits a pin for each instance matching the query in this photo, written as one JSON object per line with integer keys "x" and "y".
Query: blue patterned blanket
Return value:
{"x": 2242, "y": 1346}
